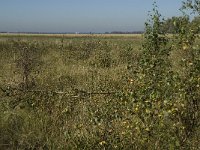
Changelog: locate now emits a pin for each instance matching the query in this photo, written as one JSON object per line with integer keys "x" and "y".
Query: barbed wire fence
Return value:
{"x": 9, "y": 90}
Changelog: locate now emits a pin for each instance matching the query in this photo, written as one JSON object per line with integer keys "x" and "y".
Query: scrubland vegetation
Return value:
{"x": 102, "y": 92}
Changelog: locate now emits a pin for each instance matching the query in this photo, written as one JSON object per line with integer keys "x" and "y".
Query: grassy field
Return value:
{"x": 70, "y": 92}
{"x": 69, "y": 36}
{"x": 74, "y": 64}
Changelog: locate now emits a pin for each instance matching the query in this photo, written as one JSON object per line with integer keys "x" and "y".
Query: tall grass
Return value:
{"x": 99, "y": 92}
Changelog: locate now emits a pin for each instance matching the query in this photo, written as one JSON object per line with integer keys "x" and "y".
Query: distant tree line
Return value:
{"x": 125, "y": 32}
{"x": 172, "y": 25}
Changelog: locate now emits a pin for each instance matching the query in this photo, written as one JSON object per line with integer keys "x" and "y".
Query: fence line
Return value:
{"x": 76, "y": 92}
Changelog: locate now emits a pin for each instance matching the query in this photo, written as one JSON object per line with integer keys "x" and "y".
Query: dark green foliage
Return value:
{"x": 193, "y": 5}
{"x": 174, "y": 24}
{"x": 165, "y": 102}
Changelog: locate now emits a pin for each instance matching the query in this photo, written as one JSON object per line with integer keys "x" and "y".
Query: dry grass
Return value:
{"x": 76, "y": 65}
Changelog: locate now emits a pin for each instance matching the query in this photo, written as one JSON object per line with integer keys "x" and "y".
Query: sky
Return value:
{"x": 80, "y": 15}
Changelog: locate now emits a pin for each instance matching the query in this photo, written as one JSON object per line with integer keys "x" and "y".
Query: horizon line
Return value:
{"x": 36, "y": 32}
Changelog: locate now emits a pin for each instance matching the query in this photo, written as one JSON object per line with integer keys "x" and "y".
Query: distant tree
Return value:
{"x": 193, "y": 5}
{"x": 196, "y": 22}
{"x": 172, "y": 25}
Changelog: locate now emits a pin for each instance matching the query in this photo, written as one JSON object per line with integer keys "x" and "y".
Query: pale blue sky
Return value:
{"x": 80, "y": 15}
